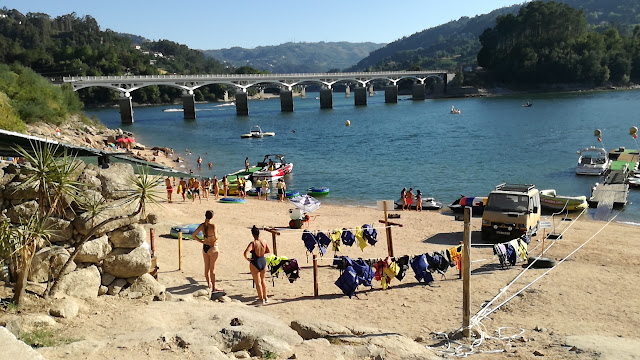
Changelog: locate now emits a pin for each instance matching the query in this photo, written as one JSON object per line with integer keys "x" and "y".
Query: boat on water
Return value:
{"x": 592, "y": 161}
{"x": 551, "y": 201}
{"x": 527, "y": 104}
{"x": 428, "y": 203}
{"x": 477, "y": 204}
{"x": 455, "y": 111}
{"x": 256, "y": 132}
{"x": 271, "y": 169}
{"x": 172, "y": 110}
{"x": 227, "y": 104}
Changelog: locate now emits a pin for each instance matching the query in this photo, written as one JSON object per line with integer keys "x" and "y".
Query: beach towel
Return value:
{"x": 309, "y": 240}
{"x": 347, "y": 237}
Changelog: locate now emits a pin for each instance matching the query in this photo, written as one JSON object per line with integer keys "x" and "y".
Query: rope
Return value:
{"x": 296, "y": 231}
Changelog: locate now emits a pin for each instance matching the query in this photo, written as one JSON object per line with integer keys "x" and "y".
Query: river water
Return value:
{"x": 416, "y": 144}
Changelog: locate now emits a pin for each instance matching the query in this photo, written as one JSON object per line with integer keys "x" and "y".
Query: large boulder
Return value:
{"x": 16, "y": 191}
{"x": 126, "y": 263}
{"x": 271, "y": 345}
{"x": 12, "y": 348}
{"x": 313, "y": 328}
{"x": 147, "y": 285}
{"x": 61, "y": 229}
{"x": 6, "y": 178}
{"x": 22, "y": 211}
{"x": 49, "y": 259}
{"x": 84, "y": 222}
{"x": 116, "y": 180}
{"x": 130, "y": 238}
{"x": 93, "y": 251}
{"x": 83, "y": 283}
{"x": 64, "y": 308}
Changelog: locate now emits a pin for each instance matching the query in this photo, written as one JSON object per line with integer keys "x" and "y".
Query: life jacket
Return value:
{"x": 323, "y": 241}
{"x": 420, "y": 265}
{"x": 501, "y": 251}
{"x": 309, "y": 240}
{"x": 348, "y": 282}
{"x": 437, "y": 262}
{"x": 389, "y": 273}
{"x": 275, "y": 264}
{"x": 512, "y": 257}
{"x": 370, "y": 234}
{"x": 347, "y": 237}
{"x": 335, "y": 239}
{"x": 364, "y": 272}
{"x": 341, "y": 262}
{"x": 520, "y": 247}
{"x": 379, "y": 269}
{"x": 454, "y": 255}
{"x": 403, "y": 263}
{"x": 291, "y": 269}
{"x": 362, "y": 243}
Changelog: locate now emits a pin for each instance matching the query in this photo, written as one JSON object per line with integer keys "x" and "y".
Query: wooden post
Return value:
{"x": 153, "y": 241}
{"x": 466, "y": 273}
{"x": 180, "y": 250}
{"x": 274, "y": 247}
{"x": 544, "y": 235}
{"x": 315, "y": 275}
{"x": 387, "y": 230}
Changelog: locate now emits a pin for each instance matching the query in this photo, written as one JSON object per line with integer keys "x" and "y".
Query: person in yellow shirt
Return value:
{"x": 241, "y": 184}
{"x": 265, "y": 188}
{"x": 282, "y": 188}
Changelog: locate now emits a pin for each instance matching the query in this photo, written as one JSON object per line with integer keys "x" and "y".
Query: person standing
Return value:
{"x": 403, "y": 197}
{"x": 216, "y": 187}
{"x": 182, "y": 188}
{"x": 282, "y": 188}
{"x": 409, "y": 198}
{"x": 259, "y": 188}
{"x": 199, "y": 162}
{"x": 241, "y": 184}
{"x": 205, "y": 187}
{"x": 195, "y": 190}
{"x": 225, "y": 185}
{"x": 246, "y": 164}
{"x": 210, "y": 250}
{"x": 418, "y": 200}
{"x": 254, "y": 253}
{"x": 169, "y": 187}
{"x": 265, "y": 188}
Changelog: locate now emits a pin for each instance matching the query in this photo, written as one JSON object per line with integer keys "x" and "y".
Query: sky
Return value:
{"x": 212, "y": 24}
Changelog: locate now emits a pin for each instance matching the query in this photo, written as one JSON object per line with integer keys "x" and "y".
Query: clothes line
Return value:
{"x": 286, "y": 230}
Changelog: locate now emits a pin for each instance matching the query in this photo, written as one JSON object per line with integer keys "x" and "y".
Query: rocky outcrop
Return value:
{"x": 61, "y": 229}
{"x": 84, "y": 222}
{"x": 313, "y": 329}
{"x": 115, "y": 180}
{"x": 130, "y": 238}
{"x": 46, "y": 260}
{"x": 18, "y": 191}
{"x": 22, "y": 211}
{"x": 93, "y": 251}
{"x": 83, "y": 283}
{"x": 126, "y": 263}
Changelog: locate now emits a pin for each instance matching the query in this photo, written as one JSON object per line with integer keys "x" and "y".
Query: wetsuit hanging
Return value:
{"x": 291, "y": 269}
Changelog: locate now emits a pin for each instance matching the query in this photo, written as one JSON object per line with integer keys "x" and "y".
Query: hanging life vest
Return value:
{"x": 370, "y": 234}
{"x": 323, "y": 242}
{"x": 335, "y": 239}
{"x": 348, "y": 282}
{"x": 419, "y": 265}
{"x": 347, "y": 237}
{"x": 403, "y": 263}
{"x": 291, "y": 269}
{"x": 309, "y": 240}
{"x": 364, "y": 272}
{"x": 362, "y": 243}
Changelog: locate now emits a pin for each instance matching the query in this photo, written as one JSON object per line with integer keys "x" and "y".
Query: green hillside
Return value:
{"x": 297, "y": 57}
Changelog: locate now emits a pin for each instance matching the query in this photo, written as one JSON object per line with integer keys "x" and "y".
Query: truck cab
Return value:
{"x": 511, "y": 211}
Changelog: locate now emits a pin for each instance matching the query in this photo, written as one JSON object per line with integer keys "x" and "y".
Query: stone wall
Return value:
{"x": 116, "y": 256}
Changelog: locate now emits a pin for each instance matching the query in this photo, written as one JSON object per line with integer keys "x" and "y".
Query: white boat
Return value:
{"x": 227, "y": 104}
{"x": 256, "y": 132}
{"x": 592, "y": 161}
{"x": 455, "y": 111}
{"x": 272, "y": 170}
{"x": 551, "y": 201}
{"x": 428, "y": 203}
{"x": 172, "y": 110}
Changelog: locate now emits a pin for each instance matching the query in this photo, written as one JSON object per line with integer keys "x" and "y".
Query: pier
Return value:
{"x": 614, "y": 191}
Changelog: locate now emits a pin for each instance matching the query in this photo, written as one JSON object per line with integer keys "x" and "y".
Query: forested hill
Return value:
{"x": 299, "y": 57}
{"x": 456, "y": 45}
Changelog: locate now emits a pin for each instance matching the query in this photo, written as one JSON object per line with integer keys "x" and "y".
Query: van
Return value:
{"x": 511, "y": 211}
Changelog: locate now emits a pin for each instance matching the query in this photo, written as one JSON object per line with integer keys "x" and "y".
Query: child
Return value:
{"x": 418, "y": 200}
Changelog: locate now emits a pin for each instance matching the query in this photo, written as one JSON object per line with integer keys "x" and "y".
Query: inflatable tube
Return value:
{"x": 319, "y": 191}
{"x": 187, "y": 230}
{"x": 254, "y": 192}
{"x": 233, "y": 200}
{"x": 291, "y": 194}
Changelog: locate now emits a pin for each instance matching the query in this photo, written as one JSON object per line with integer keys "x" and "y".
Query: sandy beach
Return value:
{"x": 585, "y": 308}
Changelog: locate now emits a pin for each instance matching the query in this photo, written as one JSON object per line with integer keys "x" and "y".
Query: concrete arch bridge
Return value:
{"x": 362, "y": 81}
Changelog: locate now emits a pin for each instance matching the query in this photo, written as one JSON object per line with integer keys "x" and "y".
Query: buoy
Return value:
{"x": 348, "y": 123}
{"x": 597, "y": 133}
{"x": 633, "y": 130}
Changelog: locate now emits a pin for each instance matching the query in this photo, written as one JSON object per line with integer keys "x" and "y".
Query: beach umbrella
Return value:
{"x": 131, "y": 140}
{"x": 305, "y": 203}
{"x": 122, "y": 140}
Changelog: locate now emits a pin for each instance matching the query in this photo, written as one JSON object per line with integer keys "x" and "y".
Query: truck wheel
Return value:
{"x": 542, "y": 263}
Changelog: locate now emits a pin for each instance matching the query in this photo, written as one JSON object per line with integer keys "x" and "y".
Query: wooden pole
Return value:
{"x": 315, "y": 275}
{"x": 274, "y": 247}
{"x": 544, "y": 235}
{"x": 387, "y": 230}
{"x": 466, "y": 273}
{"x": 153, "y": 241}
{"x": 180, "y": 250}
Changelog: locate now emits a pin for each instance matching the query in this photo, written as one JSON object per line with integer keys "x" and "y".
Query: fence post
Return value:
{"x": 180, "y": 250}
{"x": 315, "y": 275}
{"x": 466, "y": 273}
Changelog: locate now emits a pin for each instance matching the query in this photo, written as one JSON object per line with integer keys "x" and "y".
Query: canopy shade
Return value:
{"x": 305, "y": 203}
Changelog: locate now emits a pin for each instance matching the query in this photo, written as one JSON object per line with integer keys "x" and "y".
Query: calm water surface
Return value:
{"x": 408, "y": 144}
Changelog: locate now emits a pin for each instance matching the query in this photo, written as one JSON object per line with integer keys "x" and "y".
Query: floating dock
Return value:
{"x": 613, "y": 193}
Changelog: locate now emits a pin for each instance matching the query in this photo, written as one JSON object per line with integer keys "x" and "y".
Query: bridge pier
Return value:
{"x": 303, "y": 92}
{"x": 347, "y": 91}
{"x": 286, "y": 100}
{"x": 391, "y": 94}
{"x": 326, "y": 99}
{"x": 126, "y": 110}
{"x": 226, "y": 96}
{"x": 419, "y": 92}
{"x": 242, "y": 104}
{"x": 371, "y": 90}
{"x": 360, "y": 94}
{"x": 189, "y": 106}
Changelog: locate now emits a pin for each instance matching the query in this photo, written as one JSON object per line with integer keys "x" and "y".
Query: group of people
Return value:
{"x": 193, "y": 187}
{"x": 254, "y": 254}
{"x": 407, "y": 198}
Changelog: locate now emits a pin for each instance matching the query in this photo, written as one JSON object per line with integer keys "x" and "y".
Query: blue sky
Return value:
{"x": 211, "y": 24}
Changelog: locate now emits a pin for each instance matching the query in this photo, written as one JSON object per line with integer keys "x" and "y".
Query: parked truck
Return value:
{"x": 511, "y": 211}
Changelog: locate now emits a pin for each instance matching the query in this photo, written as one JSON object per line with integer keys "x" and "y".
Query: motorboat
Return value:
{"x": 256, "y": 132}
{"x": 476, "y": 204}
{"x": 592, "y": 161}
{"x": 527, "y": 104}
{"x": 551, "y": 201}
{"x": 172, "y": 110}
{"x": 227, "y": 104}
{"x": 271, "y": 169}
{"x": 455, "y": 111}
{"x": 428, "y": 203}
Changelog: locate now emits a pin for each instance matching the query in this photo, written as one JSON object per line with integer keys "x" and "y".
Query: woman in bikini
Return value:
{"x": 209, "y": 249}
{"x": 254, "y": 253}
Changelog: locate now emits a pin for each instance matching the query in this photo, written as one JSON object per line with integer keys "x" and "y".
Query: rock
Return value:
{"x": 201, "y": 293}
{"x": 83, "y": 283}
{"x": 103, "y": 290}
{"x": 115, "y": 180}
{"x": 269, "y": 344}
{"x": 152, "y": 218}
{"x": 128, "y": 239}
{"x": 84, "y": 222}
{"x": 22, "y": 211}
{"x": 131, "y": 294}
{"x": 216, "y": 295}
{"x": 241, "y": 354}
{"x": 64, "y": 308}
{"x": 6, "y": 178}
{"x": 13, "y": 348}
{"x": 224, "y": 299}
{"x": 61, "y": 229}
{"x": 49, "y": 259}
{"x": 125, "y": 263}
{"x": 107, "y": 279}
{"x": 147, "y": 285}
{"x": 236, "y": 322}
{"x": 93, "y": 251}
{"x": 15, "y": 191}
{"x": 116, "y": 286}
{"x": 313, "y": 329}
{"x": 91, "y": 196}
